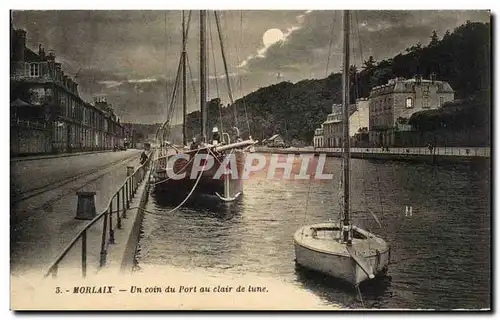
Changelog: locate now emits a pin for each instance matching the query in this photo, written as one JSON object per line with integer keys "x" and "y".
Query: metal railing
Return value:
{"x": 451, "y": 151}
{"x": 484, "y": 152}
{"x": 117, "y": 205}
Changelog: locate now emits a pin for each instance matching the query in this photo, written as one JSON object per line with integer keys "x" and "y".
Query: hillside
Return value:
{"x": 462, "y": 58}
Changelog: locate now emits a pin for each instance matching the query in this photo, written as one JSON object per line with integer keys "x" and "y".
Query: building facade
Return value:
{"x": 332, "y": 128}
{"x": 318, "y": 137}
{"x": 391, "y": 106}
{"x": 47, "y": 113}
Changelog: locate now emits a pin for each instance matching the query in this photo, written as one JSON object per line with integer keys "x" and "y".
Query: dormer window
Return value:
{"x": 34, "y": 70}
{"x": 409, "y": 102}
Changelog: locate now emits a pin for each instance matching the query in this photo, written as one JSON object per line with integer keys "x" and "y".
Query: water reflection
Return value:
{"x": 440, "y": 255}
{"x": 334, "y": 290}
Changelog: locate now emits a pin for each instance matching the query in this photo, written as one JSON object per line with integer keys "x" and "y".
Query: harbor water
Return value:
{"x": 440, "y": 249}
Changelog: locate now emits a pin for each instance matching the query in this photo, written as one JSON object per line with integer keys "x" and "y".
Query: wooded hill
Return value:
{"x": 461, "y": 57}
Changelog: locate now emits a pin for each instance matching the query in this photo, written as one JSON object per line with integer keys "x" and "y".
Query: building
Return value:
{"x": 332, "y": 132}
{"x": 130, "y": 136}
{"x": 47, "y": 113}
{"x": 276, "y": 141}
{"x": 392, "y": 104}
{"x": 318, "y": 137}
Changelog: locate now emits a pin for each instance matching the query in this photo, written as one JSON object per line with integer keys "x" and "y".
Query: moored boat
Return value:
{"x": 341, "y": 249}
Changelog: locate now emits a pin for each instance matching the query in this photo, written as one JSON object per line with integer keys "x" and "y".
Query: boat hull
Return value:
{"x": 212, "y": 183}
{"x": 331, "y": 257}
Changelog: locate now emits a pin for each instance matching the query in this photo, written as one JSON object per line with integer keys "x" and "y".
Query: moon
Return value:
{"x": 272, "y": 36}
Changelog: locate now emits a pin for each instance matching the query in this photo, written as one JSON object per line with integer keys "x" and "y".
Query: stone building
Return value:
{"x": 318, "y": 137}
{"x": 392, "y": 104}
{"x": 333, "y": 127}
{"x": 47, "y": 113}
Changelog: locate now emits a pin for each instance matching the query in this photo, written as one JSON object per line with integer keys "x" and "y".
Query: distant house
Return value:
{"x": 392, "y": 104}
{"x": 276, "y": 141}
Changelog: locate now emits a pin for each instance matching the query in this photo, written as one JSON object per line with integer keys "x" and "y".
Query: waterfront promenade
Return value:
{"x": 419, "y": 154}
{"x": 44, "y": 203}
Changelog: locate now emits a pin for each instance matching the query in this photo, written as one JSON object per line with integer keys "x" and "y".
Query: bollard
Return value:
{"x": 85, "y": 209}
{"x": 130, "y": 170}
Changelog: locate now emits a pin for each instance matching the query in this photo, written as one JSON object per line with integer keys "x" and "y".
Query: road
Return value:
{"x": 44, "y": 202}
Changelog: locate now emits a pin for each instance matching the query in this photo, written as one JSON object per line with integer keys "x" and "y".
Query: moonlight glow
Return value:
{"x": 272, "y": 36}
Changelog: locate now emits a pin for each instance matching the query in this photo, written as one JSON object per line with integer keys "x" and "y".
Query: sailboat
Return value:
{"x": 227, "y": 186}
{"x": 339, "y": 248}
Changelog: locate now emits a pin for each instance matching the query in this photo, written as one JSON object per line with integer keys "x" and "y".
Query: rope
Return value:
{"x": 360, "y": 296}
{"x": 215, "y": 73}
{"x": 307, "y": 204}
{"x": 190, "y": 193}
{"x": 183, "y": 201}
{"x": 165, "y": 180}
{"x": 238, "y": 71}
{"x": 193, "y": 87}
{"x": 330, "y": 46}
{"x": 228, "y": 81}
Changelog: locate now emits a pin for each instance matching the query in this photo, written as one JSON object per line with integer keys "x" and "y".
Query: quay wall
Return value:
{"x": 421, "y": 155}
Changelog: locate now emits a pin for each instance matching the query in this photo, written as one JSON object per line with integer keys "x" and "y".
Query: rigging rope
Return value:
{"x": 375, "y": 165}
{"x": 238, "y": 72}
{"x": 330, "y": 46}
{"x": 228, "y": 80}
{"x": 165, "y": 180}
{"x": 192, "y": 79}
{"x": 212, "y": 47}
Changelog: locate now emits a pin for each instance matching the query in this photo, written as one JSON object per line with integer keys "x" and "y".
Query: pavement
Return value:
{"x": 57, "y": 155}
{"x": 44, "y": 205}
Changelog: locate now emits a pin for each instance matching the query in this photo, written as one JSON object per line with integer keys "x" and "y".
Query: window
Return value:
{"x": 409, "y": 102}
{"x": 425, "y": 102}
{"x": 441, "y": 101}
{"x": 426, "y": 90}
{"x": 34, "y": 70}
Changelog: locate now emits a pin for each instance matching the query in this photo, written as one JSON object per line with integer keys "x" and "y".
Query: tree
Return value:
{"x": 369, "y": 64}
{"x": 434, "y": 39}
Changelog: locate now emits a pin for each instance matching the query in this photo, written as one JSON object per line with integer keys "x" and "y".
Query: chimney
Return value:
{"x": 433, "y": 77}
{"x": 52, "y": 54}
{"x": 418, "y": 79}
{"x": 58, "y": 71}
{"x": 19, "y": 44}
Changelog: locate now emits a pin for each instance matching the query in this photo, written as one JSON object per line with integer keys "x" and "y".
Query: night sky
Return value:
{"x": 132, "y": 56}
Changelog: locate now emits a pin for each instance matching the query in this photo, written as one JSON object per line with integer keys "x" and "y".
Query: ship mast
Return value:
{"x": 184, "y": 99}
{"x": 345, "y": 119}
{"x": 203, "y": 69}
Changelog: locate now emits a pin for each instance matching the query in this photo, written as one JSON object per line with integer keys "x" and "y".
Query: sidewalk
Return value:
{"x": 49, "y": 225}
{"x": 57, "y": 155}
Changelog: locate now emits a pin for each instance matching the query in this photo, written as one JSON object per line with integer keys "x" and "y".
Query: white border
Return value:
{"x": 196, "y": 4}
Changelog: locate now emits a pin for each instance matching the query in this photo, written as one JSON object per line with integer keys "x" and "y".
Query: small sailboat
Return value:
{"x": 341, "y": 249}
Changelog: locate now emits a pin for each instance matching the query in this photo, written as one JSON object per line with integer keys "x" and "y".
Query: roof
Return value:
{"x": 19, "y": 103}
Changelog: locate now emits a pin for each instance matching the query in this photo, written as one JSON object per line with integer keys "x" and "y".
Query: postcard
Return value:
{"x": 250, "y": 160}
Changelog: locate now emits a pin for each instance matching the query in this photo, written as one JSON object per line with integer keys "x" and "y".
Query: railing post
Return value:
{"x": 111, "y": 231}
{"x": 118, "y": 218}
{"x": 84, "y": 253}
{"x": 124, "y": 206}
{"x": 54, "y": 271}
{"x": 127, "y": 192}
{"x": 102, "y": 261}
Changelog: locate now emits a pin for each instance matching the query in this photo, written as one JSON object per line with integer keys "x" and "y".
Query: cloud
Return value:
{"x": 379, "y": 33}
{"x": 133, "y": 56}
{"x": 261, "y": 52}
